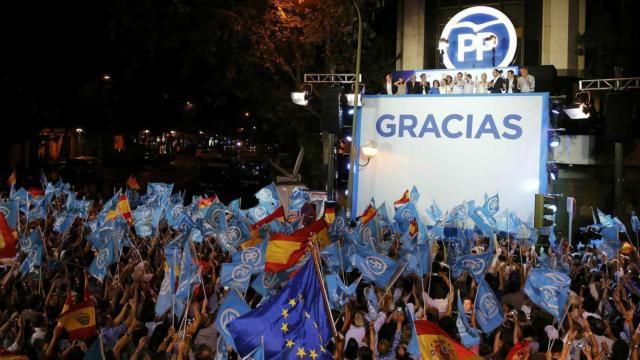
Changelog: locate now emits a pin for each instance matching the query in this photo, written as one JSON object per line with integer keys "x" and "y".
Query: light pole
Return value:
{"x": 354, "y": 153}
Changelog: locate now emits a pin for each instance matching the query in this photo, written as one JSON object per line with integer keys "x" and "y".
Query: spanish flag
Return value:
{"x": 7, "y": 239}
{"x": 368, "y": 214}
{"x": 79, "y": 321}
{"x": 122, "y": 208}
{"x": 519, "y": 352}
{"x": 317, "y": 230}
{"x": 413, "y": 228}
{"x": 404, "y": 199}
{"x": 329, "y": 215}
{"x": 132, "y": 183}
{"x": 436, "y": 344}
{"x": 277, "y": 214}
{"x": 284, "y": 251}
{"x": 205, "y": 203}
{"x": 12, "y": 178}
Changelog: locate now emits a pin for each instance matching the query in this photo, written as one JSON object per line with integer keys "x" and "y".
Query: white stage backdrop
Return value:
{"x": 454, "y": 148}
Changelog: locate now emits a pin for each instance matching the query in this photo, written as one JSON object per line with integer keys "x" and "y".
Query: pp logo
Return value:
{"x": 145, "y": 229}
{"x": 339, "y": 224}
{"x": 146, "y": 214}
{"x": 26, "y": 243}
{"x": 264, "y": 195}
{"x": 556, "y": 278}
{"x": 406, "y": 215}
{"x": 251, "y": 256}
{"x": 375, "y": 265}
{"x": 4, "y": 211}
{"x": 226, "y": 317}
{"x": 488, "y": 306}
{"x": 479, "y": 36}
{"x": 166, "y": 284}
{"x": 269, "y": 280}
{"x": 234, "y": 234}
{"x": 366, "y": 234}
{"x": 241, "y": 273}
{"x": 260, "y": 213}
{"x": 101, "y": 260}
{"x": 473, "y": 265}
{"x": 549, "y": 297}
{"x": 493, "y": 204}
{"x": 58, "y": 222}
{"x": 177, "y": 210}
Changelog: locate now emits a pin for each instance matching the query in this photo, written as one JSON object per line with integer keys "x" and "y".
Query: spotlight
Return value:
{"x": 351, "y": 99}
{"x": 348, "y": 138}
{"x": 556, "y": 111}
{"x": 302, "y": 97}
{"x": 553, "y": 172}
{"x": 350, "y": 111}
{"x": 578, "y": 111}
{"x": 553, "y": 207}
{"x": 554, "y": 139}
{"x": 370, "y": 148}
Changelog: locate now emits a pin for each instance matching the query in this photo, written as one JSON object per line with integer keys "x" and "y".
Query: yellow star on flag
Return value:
{"x": 312, "y": 354}
{"x": 284, "y": 328}
{"x": 322, "y": 349}
{"x": 290, "y": 344}
{"x": 292, "y": 302}
{"x": 285, "y": 313}
{"x": 301, "y": 352}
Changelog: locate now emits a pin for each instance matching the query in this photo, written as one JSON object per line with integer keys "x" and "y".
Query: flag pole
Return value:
{"x": 316, "y": 265}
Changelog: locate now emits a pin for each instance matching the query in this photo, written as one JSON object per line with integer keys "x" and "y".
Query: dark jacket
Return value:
{"x": 414, "y": 87}
{"x": 394, "y": 88}
{"x": 497, "y": 85}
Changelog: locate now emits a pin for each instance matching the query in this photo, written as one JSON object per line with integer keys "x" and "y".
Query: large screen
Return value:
{"x": 453, "y": 148}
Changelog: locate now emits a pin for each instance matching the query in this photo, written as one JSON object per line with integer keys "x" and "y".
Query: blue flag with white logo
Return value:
{"x": 233, "y": 306}
{"x": 189, "y": 277}
{"x": 253, "y": 256}
{"x": 146, "y": 219}
{"x": 63, "y": 222}
{"x": 476, "y": 264}
{"x": 434, "y": 211}
{"x": 31, "y": 242}
{"x": 267, "y": 283}
{"x": 10, "y": 211}
{"x": 38, "y": 209}
{"x": 491, "y": 204}
{"x": 412, "y": 348}
{"x": 105, "y": 257}
{"x": 34, "y": 257}
{"x": 339, "y": 294}
{"x": 484, "y": 220}
{"x": 377, "y": 268}
{"x": 297, "y": 199}
{"x": 372, "y": 303}
{"x": 236, "y": 275}
{"x": 165, "y": 298}
{"x": 548, "y": 289}
{"x": 468, "y": 335}
{"x": 268, "y": 198}
{"x": 22, "y": 198}
{"x": 336, "y": 258}
{"x": 635, "y": 222}
{"x": 163, "y": 191}
{"x": 294, "y": 321}
{"x": 488, "y": 310}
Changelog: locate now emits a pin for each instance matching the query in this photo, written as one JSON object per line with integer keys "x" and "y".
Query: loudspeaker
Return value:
{"x": 328, "y": 105}
{"x": 619, "y": 110}
{"x": 545, "y": 76}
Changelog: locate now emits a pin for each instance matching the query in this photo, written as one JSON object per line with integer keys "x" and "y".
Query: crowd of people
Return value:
{"x": 462, "y": 84}
{"x": 600, "y": 321}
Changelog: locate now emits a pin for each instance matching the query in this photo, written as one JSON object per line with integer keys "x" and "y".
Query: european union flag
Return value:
{"x": 548, "y": 289}
{"x": 295, "y": 321}
{"x": 378, "y": 269}
{"x": 233, "y": 306}
{"x": 257, "y": 354}
{"x": 487, "y": 307}
{"x": 469, "y": 335}
{"x": 236, "y": 275}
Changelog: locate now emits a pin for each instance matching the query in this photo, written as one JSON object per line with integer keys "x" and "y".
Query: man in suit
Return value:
{"x": 423, "y": 86}
{"x": 497, "y": 84}
{"x": 413, "y": 87}
{"x": 512, "y": 83}
{"x": 389, "y": 88}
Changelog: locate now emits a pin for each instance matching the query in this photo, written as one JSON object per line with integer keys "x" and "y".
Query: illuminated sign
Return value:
{"x": 479, "y": 36}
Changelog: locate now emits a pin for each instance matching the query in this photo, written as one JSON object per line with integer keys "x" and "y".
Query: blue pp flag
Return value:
{"x": 491, "y": 204}
{"x": 372, "y": 303}
{"x": 297, "y": 199}
{"x": 412, "y": 348}
{"x": 10, "y": 211}
{"x": 188, "y": 278}
{"x": 33, "y": 259}
{"x": 377, "y": 268}
{"x": 339, "y": 225}
{"x": 254, "y": 256}
{"x": 368, "y": 233}
{"x": 266, "y": 283}
{"x": 635, "y": 222}
{"x": 487, "y": 307}
{"x": 548, "y": 289}
{"x": 236, "y": 275}
{"x": 469, "y": 335}
{"x": 233, "y": 306}
{"x": 338, "y": 293}
{"x": 484, "y": 220}
{"x": 165, "y": 298}
{"x": 295, "y": 321}
{"x": 105, "y": 257}
{"x": 335, "y": 258}
{"x": 31, "y": 242}
{"x": 476, "y": 264}
{"x": 22, "y": 197}
{"x": 63, "y": 222}
{"x": 163, "y": 191}
{"x": 38, "y": 209}
{"x": 268, "y": 197}
{"x": 146, "y": 219}
{"x": 434, "y": 211}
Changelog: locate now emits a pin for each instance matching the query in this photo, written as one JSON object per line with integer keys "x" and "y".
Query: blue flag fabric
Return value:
{"x": 297, "y": 199}
{"x": 476, "y": 264}
{"x": 368, "y": 233}
{"x": 236, "y": 275}
{"x": 484, "y": 220}
{"x": 173, "y": 214}
{"x": 188, "y": 278}
{"x": 49, "y": 192}
{"x": 338, "y": 293}
{"x": 266, "y": 283}
{"x": 372, "y": 304}
{"x": 146, "y": 219}
{"x": 38, "y": 209}
{"x": 254, "y": 256}
{"x": 487, "y": 307}
{"x": 376, "y": 268}
{"x": 412, "y": 348}
{"x": 10, "y": 211}
{"x": 233, "y": 306}
{"x": 635, "y": 222}
{"x": 33, "y": 259}
{"x": 339, "y": 225}
{"x": 491, "y": 204}
{"x": 63, "y": 222}
{"x": 105, "y": 257}
{"x": 336, "y": 258}
{"x": 165, "y": 299}
{"x": 434, "y": 211}
{"x": 163, "y": 191}
{"x": 268, "y": 198}
{"x": 548, "y": 289}
{"x": 31, "y": 242}
{"x": 468, "y": 335}
{"x": 22, "y": 197}
{"x": 257, "y": 354}
{"x": 295, "y": 321}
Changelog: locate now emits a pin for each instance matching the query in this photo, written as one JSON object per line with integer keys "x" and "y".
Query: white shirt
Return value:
{"x": 510, "y": 85}
{"x": 482, "y": 87}
{"x": 442, "y": 305}
{"x": 358, "y": 333}
{"x": 468, "y": 87}
{"x": 389, "y": 89}
{"x": 527, "y": 84}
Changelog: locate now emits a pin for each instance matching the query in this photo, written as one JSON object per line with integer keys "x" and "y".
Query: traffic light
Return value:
{"x": 545, "y": 210}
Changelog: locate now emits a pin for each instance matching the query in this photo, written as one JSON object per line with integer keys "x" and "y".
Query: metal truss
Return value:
{"x": 330, "y": 78}
{"x": 609, "y": 84}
